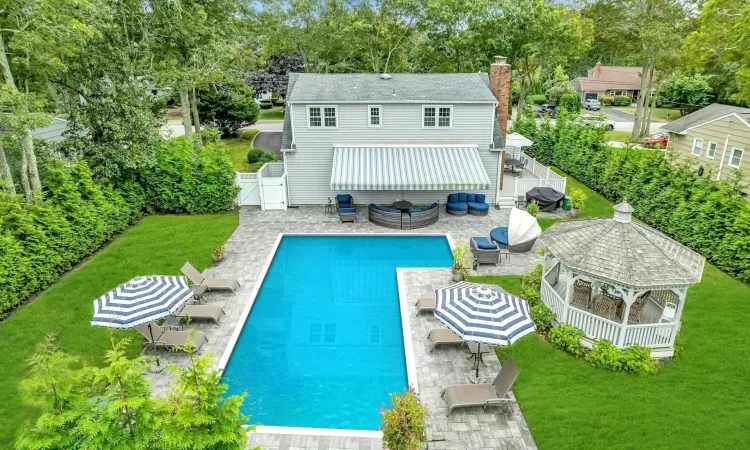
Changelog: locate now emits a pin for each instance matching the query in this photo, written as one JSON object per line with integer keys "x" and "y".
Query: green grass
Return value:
{"x": 659, "y": 114}
{"x": 699, "y": 400}
{"x": 594, "y": 206}
{"x": 618, "y": 136}
{"x": 274, "y": 113}
{"x": 238, "y": 147}
{"x": 157, "y": 245}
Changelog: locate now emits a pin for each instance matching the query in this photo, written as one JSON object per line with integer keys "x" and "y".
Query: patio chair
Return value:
{"x": 637, "y": 308}
{"x": 425, "y": 304}
{"x": 201, "y": 312}
{"x": 484, "y": 251}
{"x": 521, "y": 202}
{"x": 156, "y": 336}
{"x": 484, "y": 395}
{"x": 344, "y": 201}
{"x": 605, "y": 307}
{"x": 210, "y": 283}
{"x": 582, "y": 294}
{"x": 443, "y": 336}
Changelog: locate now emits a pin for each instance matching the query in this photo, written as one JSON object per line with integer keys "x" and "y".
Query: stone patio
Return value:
{"x": 247, "y": 251}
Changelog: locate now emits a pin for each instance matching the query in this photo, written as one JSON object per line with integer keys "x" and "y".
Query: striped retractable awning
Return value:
{"x": 408, "y": 169}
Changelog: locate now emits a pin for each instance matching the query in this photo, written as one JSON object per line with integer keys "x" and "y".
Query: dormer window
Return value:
{"x": 437, "y": 116}
{"x": 322, "y": 117}
{"x": 375, "y": 116}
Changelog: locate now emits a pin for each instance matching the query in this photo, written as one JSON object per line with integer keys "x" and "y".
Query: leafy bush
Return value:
{"x": 568, "y": 338}
{"x": 536, "y": 99}
{"x": 279, "y": 101}
{"x": 712, "y": 216}
{"x": 606, "y": 100}
{"x": 404, "y": 424}
{"x": 635, "y": 359}
{"x": 543, "y": 317}
{"x": 622, "y": 100}
{"x": 577, "y": 197}
{"x": 533, "y": 279}
{"x": 532, "y": 208}
{"x": 605, "y": 355}
{"x": 228, "y": 107}
{"x": 266, "y": 104}
{"x": 570, "y": 102}
{"x": 254, "y": 155}
{"x": 265, "y": 157}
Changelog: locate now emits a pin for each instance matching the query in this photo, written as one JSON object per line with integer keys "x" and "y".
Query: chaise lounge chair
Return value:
{"x": 210, "y": 283}
{"x": 484, "y": 395}
{"x": 443, "y": 336}
{"x": 206, "y": 312}
{"x": 426, "y": 304}
{"x": 156, "y": 336}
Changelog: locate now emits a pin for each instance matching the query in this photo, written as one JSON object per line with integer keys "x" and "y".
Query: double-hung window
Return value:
{"x": 697, "y": 146}
{"x": 735, "y": 158}
{"x": 711, "y": 150}
{"x": 322, "y": 117}
{"x": 375, "y": 116}
{"x": 437, "y": 116}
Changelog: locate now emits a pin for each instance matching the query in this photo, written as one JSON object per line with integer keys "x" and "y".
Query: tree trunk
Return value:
{"x": 27, "y": 146}
{"x": 635, "y": 134}
{"x": 6, "y": 179}
{"x": 25, "y": 176}
{"x": 196, "y": 118}
{"x": 185, "y": 106}
{"x": 647, "y": 127}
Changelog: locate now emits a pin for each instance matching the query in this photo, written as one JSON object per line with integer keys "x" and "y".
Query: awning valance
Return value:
{"x": 408, "y": 169}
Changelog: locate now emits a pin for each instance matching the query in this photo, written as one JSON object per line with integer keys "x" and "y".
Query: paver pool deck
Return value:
{"x": 470, "y": 428}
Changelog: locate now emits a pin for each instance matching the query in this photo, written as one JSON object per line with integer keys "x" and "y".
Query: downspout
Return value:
{"x": 723, "y": 154}
{"x": 499, "y": 177}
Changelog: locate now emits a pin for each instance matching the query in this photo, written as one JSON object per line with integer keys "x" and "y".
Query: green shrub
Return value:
{"x": 570, "y": 102}
{"x": 606, "y": 100}
{"x": 404, "y": 424}
{"x": 266, "y": 104}
{"x": 543, "y": 317}
{"x": 622, "y": 100}
{"x": 536, "y": 99}
{"x": 533, "y": 279}
{"x": 638, "y": 360}
{"x": 228, "y": 108}
{"x": 279, "y": 102}
{"x": 532, "y": 296}
{"x": 605, "y": 355}
{"x": 254, "y": 155}
{"x": 568, "y": 338}
{"x": 268, "y": 157}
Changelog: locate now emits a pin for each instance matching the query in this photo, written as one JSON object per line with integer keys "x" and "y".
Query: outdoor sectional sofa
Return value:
{"x": 462, "y": 204}
{"x": 389, "y": 217}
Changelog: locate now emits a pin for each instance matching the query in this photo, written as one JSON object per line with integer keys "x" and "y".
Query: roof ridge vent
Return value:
{"x": 623, "y": 212}
{"x": 385, "y": 76}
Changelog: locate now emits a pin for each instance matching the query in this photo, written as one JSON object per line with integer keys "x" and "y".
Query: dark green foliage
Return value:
{"x": 265, "y": 157}
{"x": 606, "y": 100}
{"x": 279, "y": 102}
{"x": 266, "y": 104}
{"x": 568, "y": 338}
{"x": 570, "y": 102}
{"x": 188, "y": 179}
{"x": 543, "y": 317}
{"x": 622, "y": 100}
{"x": 708, "y": 216}
{"x": 635, "y": 359}
{"x": 228, "y": 107}
{"x": 254, "y": 155}
{"x": 536, "y": 99}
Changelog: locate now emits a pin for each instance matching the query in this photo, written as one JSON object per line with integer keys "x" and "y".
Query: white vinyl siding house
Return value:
{"x": 735, "y": 159}
{"x": 697, "y": 146}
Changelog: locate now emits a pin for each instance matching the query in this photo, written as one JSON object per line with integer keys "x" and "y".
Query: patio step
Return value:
{"x": 506, "y": 202}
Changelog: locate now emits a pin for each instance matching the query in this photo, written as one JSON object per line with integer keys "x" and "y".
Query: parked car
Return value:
{"x": 658, "y": 140}
{"x": 597, "y": 120}
{"x": 537, "y": 109}
{"x": 592, "y": 105}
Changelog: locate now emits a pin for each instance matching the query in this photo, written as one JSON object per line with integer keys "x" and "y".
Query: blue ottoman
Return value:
{"x": 478, "y": 209}
{"x": 458, "y": 209}
{"x": 500, "y": 235}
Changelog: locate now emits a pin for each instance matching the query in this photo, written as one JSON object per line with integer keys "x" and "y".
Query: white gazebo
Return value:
{"x": 618, "y": 280}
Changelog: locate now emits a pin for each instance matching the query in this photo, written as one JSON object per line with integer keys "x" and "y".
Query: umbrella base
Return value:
{"x": 474, "y": 379}
{"x": 157, "y": 367}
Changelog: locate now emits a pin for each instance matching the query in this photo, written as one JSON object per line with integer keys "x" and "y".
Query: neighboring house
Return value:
{"x": 370, "y": 135}
{"x": 716, "y": 138}
{"x": 609, "y": 81}
{"x": 51, "y": 133}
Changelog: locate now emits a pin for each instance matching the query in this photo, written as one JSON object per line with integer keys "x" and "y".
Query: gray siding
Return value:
{"x": 51, "y": 133}
{"x": 309, "y": 167}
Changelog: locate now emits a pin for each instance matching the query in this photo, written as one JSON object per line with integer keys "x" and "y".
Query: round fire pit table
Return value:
{"x": 404, "y": 207}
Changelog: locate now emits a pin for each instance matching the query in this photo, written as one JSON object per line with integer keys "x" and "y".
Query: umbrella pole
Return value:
{"x": 151, "y": 332}
{"x": 476, "y": 363}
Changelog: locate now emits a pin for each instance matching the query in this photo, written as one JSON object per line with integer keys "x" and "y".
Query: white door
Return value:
{"x": 274, "y": 193}
{"x": 249, "y": 189}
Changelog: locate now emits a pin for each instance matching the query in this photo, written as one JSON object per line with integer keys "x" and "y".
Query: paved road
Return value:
{"x": 268, "y": 125}
{"x": 270, "y": 142}
{"x": 617, "y": 115}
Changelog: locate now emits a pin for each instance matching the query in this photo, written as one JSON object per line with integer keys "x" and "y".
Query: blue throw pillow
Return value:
{"x": 484, "y": 243}
{"x": 346, "y": 211}
{"x": 343, "y": 197}
{"x": 453, "y": 198}
{"x": 461, "y": 197}
{"x": 471, "y": 198}
{"x": 480, "y": 198}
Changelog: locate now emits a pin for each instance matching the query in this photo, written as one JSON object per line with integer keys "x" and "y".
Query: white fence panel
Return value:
{"x": 249, "y": 189}
{"x": 593, "y": 325}
{"x": 553, "y": 300}
{"x": 651, "y": 335}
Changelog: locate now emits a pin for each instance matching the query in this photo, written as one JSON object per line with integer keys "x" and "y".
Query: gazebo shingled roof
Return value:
{"x": 623, "y": 252}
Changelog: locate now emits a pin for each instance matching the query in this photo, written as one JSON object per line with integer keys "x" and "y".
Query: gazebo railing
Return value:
{"x": 651, "y": 335}
{"x": 553, "y": 300}
{"x": 593, "y": 325}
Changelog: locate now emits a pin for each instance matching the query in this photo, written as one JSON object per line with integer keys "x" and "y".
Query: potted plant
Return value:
{"x": 576, "y": 201}
{"x": 533, "y": 208}
{"x": 404, "y": 424}
{"x": 219, "y": 253}
{"x": 460, "y": 262}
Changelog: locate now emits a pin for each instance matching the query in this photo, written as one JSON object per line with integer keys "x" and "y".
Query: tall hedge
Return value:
{"x": 708, "y": 216}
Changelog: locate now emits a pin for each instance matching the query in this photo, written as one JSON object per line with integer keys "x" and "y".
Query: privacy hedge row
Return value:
{"x": 40, "y": 240}
{"x": 708, "y": 216}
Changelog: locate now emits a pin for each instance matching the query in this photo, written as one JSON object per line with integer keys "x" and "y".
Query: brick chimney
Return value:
{"x": 598, "y": 70}
{"x": 500, "y": 87}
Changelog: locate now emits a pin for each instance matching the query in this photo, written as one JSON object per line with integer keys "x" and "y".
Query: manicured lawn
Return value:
{"x": 618, "y": 136}
{"x": 238, "y": 148}
{"x": 699, "y": 400}
{"x": 595, "y": 205}
{"x": 659, "y": 114}
{"x": 274, "y": 113}
{"x": 157, "y": 245}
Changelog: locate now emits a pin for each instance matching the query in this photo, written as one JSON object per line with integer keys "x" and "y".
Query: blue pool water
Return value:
{"x": 323, "y": 346}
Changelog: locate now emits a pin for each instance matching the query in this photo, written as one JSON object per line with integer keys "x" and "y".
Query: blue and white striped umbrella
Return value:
{"x": 140, "y": 300}
{"x": 485, "y": 314}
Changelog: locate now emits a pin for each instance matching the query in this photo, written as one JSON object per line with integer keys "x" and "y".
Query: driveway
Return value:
{"x": 269, "y": 141}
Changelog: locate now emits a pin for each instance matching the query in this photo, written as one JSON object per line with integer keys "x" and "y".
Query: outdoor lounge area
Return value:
{"x": 403, "y": 219}
{"x": 619, "y": 280}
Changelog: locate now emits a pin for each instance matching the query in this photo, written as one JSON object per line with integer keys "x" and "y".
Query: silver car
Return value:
{"x": 598, "y": 120}
{"x": 592, "y": 105}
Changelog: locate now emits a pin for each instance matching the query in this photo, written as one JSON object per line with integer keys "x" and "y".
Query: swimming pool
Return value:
{"x": 322, "y": 346}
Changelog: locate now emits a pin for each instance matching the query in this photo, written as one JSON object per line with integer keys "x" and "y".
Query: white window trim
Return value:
{"x": 700, "y": 149}
{"x": 322, "y": 117}
{"x": 369, "y": 116}
{"x": 708, "y": 147}
{"x": 437, "y": 117}
{"x": 731, "y": 155}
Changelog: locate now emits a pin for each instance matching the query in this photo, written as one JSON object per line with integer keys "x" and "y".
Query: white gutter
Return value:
{"x": 723, "y": 154}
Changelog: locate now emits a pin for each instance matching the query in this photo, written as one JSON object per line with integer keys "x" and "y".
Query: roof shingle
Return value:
{"x": 704, "y": 115}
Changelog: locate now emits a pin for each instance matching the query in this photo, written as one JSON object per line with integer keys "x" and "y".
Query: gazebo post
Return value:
{"x": 681, "y": 294}
{"x": 629, "y": 296}
{"x": 568, "y": 293}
